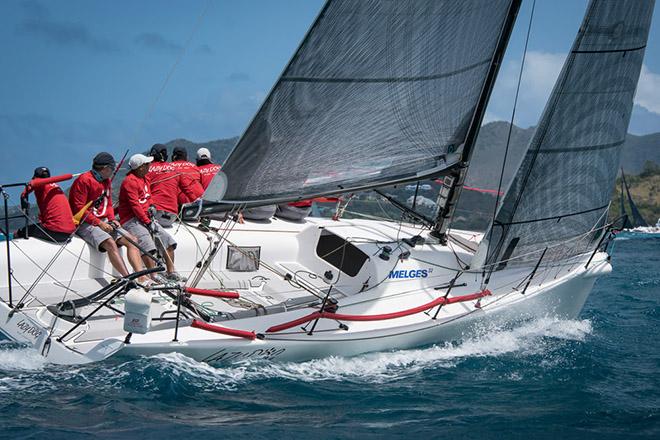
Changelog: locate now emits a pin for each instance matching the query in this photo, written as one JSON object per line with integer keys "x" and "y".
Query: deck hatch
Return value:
{"x": 243, "y": 258}
{"x": 340, "y": 253}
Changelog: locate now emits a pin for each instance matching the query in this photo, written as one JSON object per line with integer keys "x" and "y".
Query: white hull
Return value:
{"x": 379, "y": 287}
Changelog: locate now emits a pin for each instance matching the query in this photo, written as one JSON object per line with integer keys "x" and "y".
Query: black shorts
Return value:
{"x": 41, "y": 233}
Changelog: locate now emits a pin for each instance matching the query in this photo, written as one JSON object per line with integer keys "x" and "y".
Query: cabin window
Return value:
{"x": 243, "y": 258}
{"x": 340, "y": 253}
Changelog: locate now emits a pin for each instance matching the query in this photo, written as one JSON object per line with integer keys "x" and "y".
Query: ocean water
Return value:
{"x": 594, "y": 377}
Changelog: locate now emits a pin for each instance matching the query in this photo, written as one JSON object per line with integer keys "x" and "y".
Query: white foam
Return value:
{"x": 527, "y": 339}
{"x": 532, "y": 338}
{"x": 14, "y": 358}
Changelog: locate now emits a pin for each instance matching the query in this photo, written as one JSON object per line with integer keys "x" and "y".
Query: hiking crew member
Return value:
{"x": 190, "y": 180}
{"x": 55, "y": 217}
{"x": 98, "y": 225}
{"x": 164, "y": 183}
{"x": 206, "y": 168}
{"x": 134, "y": 203}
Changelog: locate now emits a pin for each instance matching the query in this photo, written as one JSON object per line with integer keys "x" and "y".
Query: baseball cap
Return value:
{"x": 137, "y": 160}
{"x": 104, "y": 159}
{"x": 41, "y": 173}
{"x": 203, "y": 153}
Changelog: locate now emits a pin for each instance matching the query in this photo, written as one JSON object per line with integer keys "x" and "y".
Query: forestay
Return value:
{"x": 562, "y": 189}
{"x": 379, "y": 91}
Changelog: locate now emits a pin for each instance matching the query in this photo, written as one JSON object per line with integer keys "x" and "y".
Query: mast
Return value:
{"x": 453, "y": 183}
{"x": 622, "y": 205}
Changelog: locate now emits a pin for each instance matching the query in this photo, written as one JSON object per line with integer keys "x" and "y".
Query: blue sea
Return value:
{"x": 594, "y": 377}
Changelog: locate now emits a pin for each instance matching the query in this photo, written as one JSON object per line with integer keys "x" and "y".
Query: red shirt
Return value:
{"x": 208, "y": 171}
{"x": 164, "y": 183}
{"x": 85, "y": 189}
{"x": 190, "y": 181}
{"x": 54, "y": 210}
{"x": 134, "y": 199}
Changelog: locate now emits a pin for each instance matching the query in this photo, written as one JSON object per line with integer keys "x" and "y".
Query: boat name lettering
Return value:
{"x": 224, "y": 355}
{"x": 412, "y": 273}
{"x": 28, "y": 329}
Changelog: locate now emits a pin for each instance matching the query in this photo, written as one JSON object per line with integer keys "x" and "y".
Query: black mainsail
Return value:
{"x": 379, "y": 92}
{"x": 561, "y": 192}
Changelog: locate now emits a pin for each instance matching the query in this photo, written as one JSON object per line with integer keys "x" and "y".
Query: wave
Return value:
{"x": 173, "y": 374}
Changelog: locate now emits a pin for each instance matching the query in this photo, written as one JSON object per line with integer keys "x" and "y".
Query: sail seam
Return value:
{"x": 384, "y": 80}
{"x": 579, "y": 149}
{"x": 632, "y": 49}
{"x": 556, "y": 217}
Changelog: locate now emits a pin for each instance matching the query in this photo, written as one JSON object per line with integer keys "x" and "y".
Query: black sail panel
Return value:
{"x": 379, "y": 91}
{"x": 563, "y": 186}
{"x": 637, "y": 218}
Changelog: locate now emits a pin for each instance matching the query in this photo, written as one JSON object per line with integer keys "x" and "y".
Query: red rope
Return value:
{"x": 213, "y": 293}
{"x": 223, "y": 330}
{"x": 380, "y": 317}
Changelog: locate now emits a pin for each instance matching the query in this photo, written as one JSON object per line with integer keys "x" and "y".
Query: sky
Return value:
{"x": 83, "y": 76}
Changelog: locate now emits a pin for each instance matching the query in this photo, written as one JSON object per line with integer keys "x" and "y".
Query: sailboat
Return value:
{"x": 378, "y": 93}
{"x": 636, "y": 222}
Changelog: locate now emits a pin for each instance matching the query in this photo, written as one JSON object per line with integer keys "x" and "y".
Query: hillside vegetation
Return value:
{"x": 645, "y": 191}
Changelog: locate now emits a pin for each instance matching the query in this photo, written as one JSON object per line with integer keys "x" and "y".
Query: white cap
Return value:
{"x": 203, "y": 153}
{"x": 137, "y": 160}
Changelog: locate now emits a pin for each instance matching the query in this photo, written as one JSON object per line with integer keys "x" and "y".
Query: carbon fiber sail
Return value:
{"x": 562, "y": 189}
{"x": 379, "y": 91}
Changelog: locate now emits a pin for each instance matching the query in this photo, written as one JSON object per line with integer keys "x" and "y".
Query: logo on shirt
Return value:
{"x": 143, "y": 200}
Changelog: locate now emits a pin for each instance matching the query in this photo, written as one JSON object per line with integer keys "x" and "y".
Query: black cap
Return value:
{"x": 103, "y": 160}
{"x": 158, "y": 149}
{"x": 179, "y": 153}
{"x": 158, "y": 152}
{"x": 41, "y": 173}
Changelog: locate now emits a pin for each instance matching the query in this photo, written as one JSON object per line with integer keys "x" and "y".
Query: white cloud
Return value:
{"x": 539, "y": 76}
{"x": 648, "y": 90}
{"x": 541, "y": 72}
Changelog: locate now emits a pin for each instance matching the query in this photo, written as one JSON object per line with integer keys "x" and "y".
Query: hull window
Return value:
{"x": 340, "y": 253}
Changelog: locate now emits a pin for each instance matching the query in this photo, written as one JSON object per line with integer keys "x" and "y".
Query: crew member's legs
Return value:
{"x": 132, "y": 253}
{"x": 115, "y": 257}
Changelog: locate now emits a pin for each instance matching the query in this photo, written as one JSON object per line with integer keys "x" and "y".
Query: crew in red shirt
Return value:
{"x": 190, "y": 180}
{"x": 55, "y": 217}
{"x": 98, "y": 225}
{"x": 134, "y": 203}
{"x": 206, "y": 168}
{"x": 164, "y": 183}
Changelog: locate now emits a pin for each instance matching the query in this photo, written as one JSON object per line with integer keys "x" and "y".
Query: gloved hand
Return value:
{"x": 151, "y": 211}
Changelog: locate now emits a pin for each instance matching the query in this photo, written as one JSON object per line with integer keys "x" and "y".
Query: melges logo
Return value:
{"x": 412, "y": 273}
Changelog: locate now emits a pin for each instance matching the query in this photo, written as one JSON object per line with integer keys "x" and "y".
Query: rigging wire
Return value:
{"x": 152, "y": 106}
{"x": 73, "y": 274}
{"x": 508, "y": 138}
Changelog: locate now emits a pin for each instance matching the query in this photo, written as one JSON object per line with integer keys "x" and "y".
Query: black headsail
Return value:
{"x": 637, "y": 218}
{"x": 561, "y": 192}
{"x": 379, "y": 92}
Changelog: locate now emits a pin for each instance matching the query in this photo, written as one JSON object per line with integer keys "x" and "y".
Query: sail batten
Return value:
{"x": 379, "y": 92}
